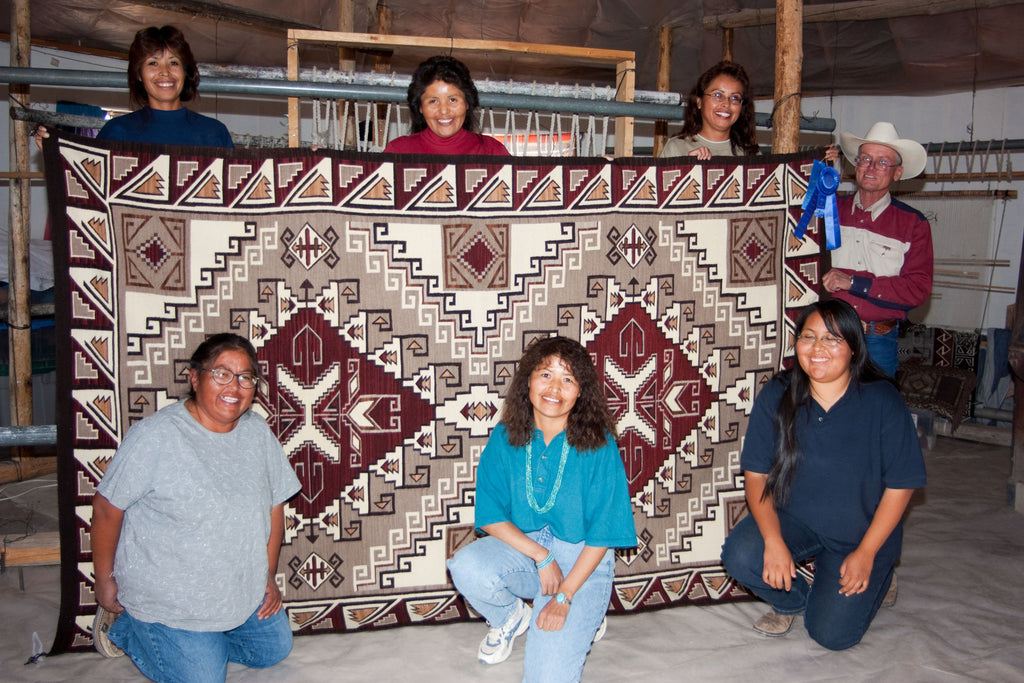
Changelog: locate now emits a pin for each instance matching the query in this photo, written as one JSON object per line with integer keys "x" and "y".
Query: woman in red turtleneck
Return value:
{"x": 442, "y": 103}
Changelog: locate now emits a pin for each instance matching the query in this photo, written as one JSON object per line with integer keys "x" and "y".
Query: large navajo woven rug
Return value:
{"x": 389, "y": 300}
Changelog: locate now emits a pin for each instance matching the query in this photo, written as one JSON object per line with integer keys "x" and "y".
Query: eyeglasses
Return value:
{"x": 223, "y": 376}
{"x": 864, "y": 161}
{"x": 718, "y": 96}
{"x": 828, "y": 340}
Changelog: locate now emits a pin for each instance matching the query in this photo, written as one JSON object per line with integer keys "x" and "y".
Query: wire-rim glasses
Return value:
{"x": 828, "y": 340}
{"x": 864, "y": 161}
{"x": 224, "y": 377}
{"x": 718, "y": 96}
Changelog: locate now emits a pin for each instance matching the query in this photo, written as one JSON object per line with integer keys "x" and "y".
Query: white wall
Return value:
{"x": 988, "y": 114}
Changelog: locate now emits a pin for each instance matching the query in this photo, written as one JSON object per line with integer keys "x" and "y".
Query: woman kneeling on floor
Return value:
{"x": 830, "y": 460}
{"x": 551, "y": 496}
{"x": 187, "y": 527}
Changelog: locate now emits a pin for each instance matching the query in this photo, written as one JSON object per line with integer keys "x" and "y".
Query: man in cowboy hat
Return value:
{"x": 883, "y": 267}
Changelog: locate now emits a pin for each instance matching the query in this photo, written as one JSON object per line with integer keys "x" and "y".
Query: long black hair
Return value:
{"x": 743, "y": 134}
{"x": 451, "y": 71}
{"x": 589, "y": 420}
{"x": 841, "y": 320}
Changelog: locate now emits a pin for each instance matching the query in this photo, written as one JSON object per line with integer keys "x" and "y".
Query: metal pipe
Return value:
{"x": 33, "y": 435}
{"x": 371, "y": 93}
{"x": 392, "y": 79}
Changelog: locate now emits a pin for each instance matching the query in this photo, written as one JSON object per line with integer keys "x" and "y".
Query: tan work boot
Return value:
{"x": 890, "y": 595}
{"x": 774, "y": 624}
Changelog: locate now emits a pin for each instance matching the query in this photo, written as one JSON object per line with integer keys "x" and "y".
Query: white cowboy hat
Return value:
{"x": 884, "y": 133}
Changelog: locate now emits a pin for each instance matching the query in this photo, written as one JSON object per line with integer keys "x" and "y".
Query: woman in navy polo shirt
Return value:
{"x": 830, "y": 459}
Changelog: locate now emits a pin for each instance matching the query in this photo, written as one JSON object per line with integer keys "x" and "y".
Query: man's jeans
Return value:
{"x": 884, "y": 349}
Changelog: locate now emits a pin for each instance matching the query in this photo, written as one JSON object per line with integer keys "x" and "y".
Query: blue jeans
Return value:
{"x": 163, "y": 653}
{"x": 884, "y": 349}
{"x": 493, "y": 576}
{"x": 833, "y": 620}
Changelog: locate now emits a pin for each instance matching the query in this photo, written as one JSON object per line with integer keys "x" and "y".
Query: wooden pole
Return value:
{"x": 789, "y": 55}
{"x": 664, "y": 83}
{"x": 19, "y": 317}
{"x": 625, "y": 85}
{"x": 346, "y": 24}
{"x": 728, "y": 40}
{"x": 347, "y": 62}
{"x": 294, "y": 120}
{"x": 382, "y": 65}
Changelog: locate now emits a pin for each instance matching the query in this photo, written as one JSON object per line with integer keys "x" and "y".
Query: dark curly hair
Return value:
{"x": 590, "y": 421}
{"x": 743, "y": 134}
{"x": 451, "y": 71}
{"x": 151, "y": 41}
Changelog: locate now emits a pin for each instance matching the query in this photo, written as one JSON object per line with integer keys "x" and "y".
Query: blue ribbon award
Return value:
{"x": 821, "y": 201}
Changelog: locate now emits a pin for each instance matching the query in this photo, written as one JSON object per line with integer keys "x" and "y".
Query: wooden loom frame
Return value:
{"x": 624, "y": 62}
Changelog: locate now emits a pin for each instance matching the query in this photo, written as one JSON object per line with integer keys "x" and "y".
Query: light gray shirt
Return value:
{"x": 193, "y": 548}
{"x": 680, "y": 147}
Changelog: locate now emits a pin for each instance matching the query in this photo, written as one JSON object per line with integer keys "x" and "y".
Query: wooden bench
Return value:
{"x": 33, "y": 550}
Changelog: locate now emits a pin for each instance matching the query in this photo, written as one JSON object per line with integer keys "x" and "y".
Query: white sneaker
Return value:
{"x": 600, "y": 630}
{"x": 497, "y": 646}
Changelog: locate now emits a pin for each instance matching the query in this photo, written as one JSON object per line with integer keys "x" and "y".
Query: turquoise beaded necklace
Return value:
{"x": 530, "y": 497}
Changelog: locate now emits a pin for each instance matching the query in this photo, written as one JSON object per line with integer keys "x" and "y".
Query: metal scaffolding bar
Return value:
{"x": 34, "y": 435}
{"x": 376, "y": 93}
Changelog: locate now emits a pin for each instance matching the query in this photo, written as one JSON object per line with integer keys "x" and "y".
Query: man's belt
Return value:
{"x": 880, "y": 326}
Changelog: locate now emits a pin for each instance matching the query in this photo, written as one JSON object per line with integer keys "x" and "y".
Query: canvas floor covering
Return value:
{"x": 959, "y": 617}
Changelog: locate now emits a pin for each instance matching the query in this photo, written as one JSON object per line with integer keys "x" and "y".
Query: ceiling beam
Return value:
{"x": 216, "y": 11}
{"x": 857, "y": 10}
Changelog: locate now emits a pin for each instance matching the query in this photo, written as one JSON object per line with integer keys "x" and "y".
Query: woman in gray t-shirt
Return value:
{"x": 187, "y": 528}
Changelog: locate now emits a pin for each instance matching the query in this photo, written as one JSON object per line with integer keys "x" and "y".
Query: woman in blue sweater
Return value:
{"x": 162, "y": 76}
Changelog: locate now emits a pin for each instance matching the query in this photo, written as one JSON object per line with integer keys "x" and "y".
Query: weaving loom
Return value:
{"x": 389, "y": 299}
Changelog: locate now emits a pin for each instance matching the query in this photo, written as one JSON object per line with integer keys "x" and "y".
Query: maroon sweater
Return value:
{"x": 462, "y": 143}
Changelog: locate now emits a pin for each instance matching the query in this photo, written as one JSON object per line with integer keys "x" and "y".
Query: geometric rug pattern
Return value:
{"x": 389, "y": 299}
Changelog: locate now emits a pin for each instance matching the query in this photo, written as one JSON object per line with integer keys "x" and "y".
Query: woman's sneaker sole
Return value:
{"x": 498, "y": 650}
{"x": 100, "y": 626}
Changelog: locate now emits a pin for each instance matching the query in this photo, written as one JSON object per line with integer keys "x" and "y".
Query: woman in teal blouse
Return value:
{"x": 553, "y": 499}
